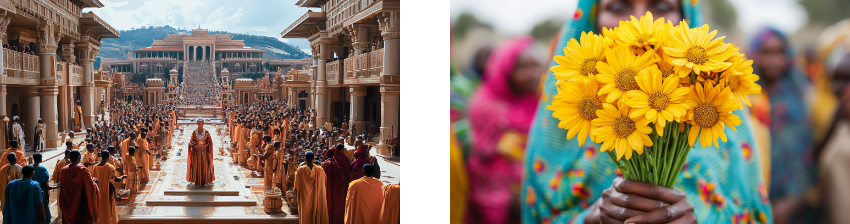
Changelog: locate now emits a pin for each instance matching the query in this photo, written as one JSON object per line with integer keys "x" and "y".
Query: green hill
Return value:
{"x": 144, "y": 36}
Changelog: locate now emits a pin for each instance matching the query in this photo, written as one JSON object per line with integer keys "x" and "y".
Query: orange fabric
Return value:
{"x": 268, "y": 172}
{"x": 79, "y": 195}
{"x": 142, "y": 159}
{"x": 312, "y": 203}
{"x": 200, "y": 160}
{"x": 243, "y": 145}
{"x": 125, "y": 146}
{"x": 6, "y": 176}
{"x": 364, "y": 201}
{"x": 105, "y": 177}
{"x": 21, "y": 158}
{"x": 391, "y": 211}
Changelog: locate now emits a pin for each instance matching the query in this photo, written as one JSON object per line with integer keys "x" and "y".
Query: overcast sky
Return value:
{"x": 513, "y": 17}
{"x": 268, "y": 17}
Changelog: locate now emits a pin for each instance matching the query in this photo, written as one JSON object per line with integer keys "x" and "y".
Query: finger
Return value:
{"x": 648, "y": 190}
{"x": 664, "y": 215}
{"x": 616, "y": 212}
{"x": 690, "y": 218}
{"x": 637, "y": 202}
{"x": 604, "y": 219}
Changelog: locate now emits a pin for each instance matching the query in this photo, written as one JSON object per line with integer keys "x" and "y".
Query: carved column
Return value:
{"x": 33, "y": 102}
{"x": 88, "y": 52}
{"x": 4, "y": 23}
{"x": 47, "y": 92}
{"x": 389, "y": 25}
{"x": 358, "y": 93}
{"x": 360, "y": 38}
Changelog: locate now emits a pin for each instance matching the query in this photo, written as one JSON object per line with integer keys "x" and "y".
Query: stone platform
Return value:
{"x": 235, "y": 196}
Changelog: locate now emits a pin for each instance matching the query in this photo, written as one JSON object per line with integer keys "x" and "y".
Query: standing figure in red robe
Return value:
{"x": 79, "y": 196}
{"x": 200, "y": 170}
{"x": 338, "y": 177}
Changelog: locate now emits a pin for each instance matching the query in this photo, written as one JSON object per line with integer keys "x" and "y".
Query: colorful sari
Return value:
{"x": 562, "y": 180}
{"x": 790, "y": 129}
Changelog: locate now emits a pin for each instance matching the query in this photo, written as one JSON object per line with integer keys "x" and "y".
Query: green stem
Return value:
{"x": 625, "y": 170}
{"x": 684, "y": 149}
{"x": 669, "y": 153}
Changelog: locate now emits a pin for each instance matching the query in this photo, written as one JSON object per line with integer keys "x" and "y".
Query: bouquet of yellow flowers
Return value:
{"x": 653, "y": 88}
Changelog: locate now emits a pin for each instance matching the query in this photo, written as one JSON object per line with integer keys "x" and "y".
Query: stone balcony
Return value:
{"x": 298, "y": 76}
{"x": 333, "y": 72}
{"x": 22, "y": 69}
{"x": 364, "y": 68}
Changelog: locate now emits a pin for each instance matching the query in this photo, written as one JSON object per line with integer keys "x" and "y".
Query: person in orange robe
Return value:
{"x": 105, "y": 174}
{"x": 244, "y": 134}
{"x": 270, "y": 157}
{"x": 142, "y": 157}
{"x": 79, "y": 195}
{"x": 391, "y": 212}
{"x": 125, "y": 146}
{"x": 200, "y": 160}
{"x": 310, "y": 186}
{"x": 339, "y": 176}
{"x": 365, "y": 199}
{"x": 78, "y": 117}
{"x": 9, "y": 172}
{"x": 13, "y": 148}
{"x": 255, "y": 148}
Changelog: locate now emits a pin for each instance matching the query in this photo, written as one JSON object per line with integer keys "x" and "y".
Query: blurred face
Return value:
{"x": 611, "y": 12}
{"x": 526, "y": 74}
{"x": 771, "y": 58}
{"x": 840, "y": 84}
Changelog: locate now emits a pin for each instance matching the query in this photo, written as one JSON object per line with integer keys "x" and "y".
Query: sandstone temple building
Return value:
{"x": 354, "y": 73}
{"x": 171, "y": 53}
{"x": 49, "y": 48}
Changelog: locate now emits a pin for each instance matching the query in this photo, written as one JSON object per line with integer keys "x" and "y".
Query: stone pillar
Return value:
{"x": 358, "y": 93}
{"x": 3, "y": 119}
{"x": 47, "y": 91}
{"x": 321, "y": 88}
{"x": 33, "y": 102}
{"x": 87, "y": 93}
{"x": 4, "y": 124}
{"x": 50, "y": 116}
{"x": 389, "y": 25}
{"x": 360, "y": 38}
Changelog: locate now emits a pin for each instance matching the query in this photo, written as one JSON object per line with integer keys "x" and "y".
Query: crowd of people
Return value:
{"x": 785, "y": 164}
{"x": 113, "y": 161}
{"x": 321, "y": 180}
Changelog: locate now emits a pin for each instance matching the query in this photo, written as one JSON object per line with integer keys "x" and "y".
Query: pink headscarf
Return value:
{"x": 494, "y": 108}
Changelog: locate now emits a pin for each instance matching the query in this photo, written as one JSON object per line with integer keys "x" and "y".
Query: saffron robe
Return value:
{"x": 200, "y": 161}
{"x": 270, "y": 157}
{"x": 125, "y": 147}
{"x": 312, "y": 203}
{"x": 244, "y": 134}
{"x": 339, "y": 176}
{"x": 78, "y": 117}
{"x": 22, "y": 197}
{"x": 391, "y": 212}
{"x": 89, "y": 157}
{"x": 255, "y": 149}
{"x": 19, "y": 155}
{"x": 365, "y": 200}
{"x": 142, "y": 159}
{"x": 105, "y": 177}
{"x": 57, "y": 170}
{"x": 79, "y": 195}
{"x": 8, "y": 173}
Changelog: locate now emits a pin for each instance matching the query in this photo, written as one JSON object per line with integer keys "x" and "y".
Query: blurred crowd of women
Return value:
{"x": 789, "y": 162}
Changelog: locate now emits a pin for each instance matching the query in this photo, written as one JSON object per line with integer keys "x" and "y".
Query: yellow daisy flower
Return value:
{"x": 712, "y": 109}
{"x": 620, "y": 133}
{"x": 619, "y": 72}
{"x": 693, "y": 49}
{"x": 580, "y": 58}
{"x": 576, "y": 105}
{"x": 642, "y": 33}
{"x": 741, "y": 81}
{"x": 658, "y": 100}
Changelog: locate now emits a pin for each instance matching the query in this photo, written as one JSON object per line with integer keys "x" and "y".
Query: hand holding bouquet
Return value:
{"x": 647, "y": 90}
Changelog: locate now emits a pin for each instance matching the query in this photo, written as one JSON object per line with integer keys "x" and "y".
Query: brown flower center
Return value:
{"x": 624, "y": 127}
{"x": 734, "y": 83}
{"x": 626, "y": 79}
{"x": 705, "y": 115}
{"x": 696, "y": 55}
{"x": 588, "y": 67}
{"x": 658, "y": 101}
{"x": 588, "y": 107}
